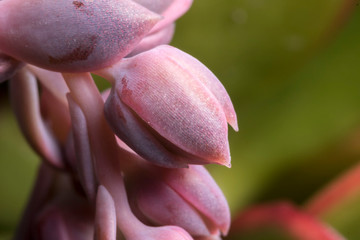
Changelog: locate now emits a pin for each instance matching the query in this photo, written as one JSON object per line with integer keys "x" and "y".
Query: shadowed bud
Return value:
{"x": 188, "y": 198}
{"x": 72, "y": 36}
{"x": 170, "y": 109}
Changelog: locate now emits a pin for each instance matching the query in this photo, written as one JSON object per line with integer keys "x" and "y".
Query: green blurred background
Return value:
{"x": 292, "y": 71}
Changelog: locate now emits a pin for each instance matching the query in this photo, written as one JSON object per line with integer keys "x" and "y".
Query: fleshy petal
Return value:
{"x": 196, "y": 185}
{"x": 160, "y": 37}
{"x": 105, "y": 220}
{"x": 83, "y": 152}
{"x": 72, "y": 36}
{"x": 25, "y": 102}
{"x": 169, "y": 9}
{"x": 131, "y": 129}
{"x": 207, "y": 78}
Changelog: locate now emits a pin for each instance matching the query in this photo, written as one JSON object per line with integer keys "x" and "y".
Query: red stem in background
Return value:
{"x": 340, "y": 190}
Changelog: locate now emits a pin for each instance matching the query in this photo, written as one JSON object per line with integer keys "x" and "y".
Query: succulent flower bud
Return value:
{"x": 170, "y": 109}
{"x": 188, "y": 198}
{"x": 72, "y": 36}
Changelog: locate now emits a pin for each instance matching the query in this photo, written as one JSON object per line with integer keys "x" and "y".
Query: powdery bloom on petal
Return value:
{"x": 88, "y": 34}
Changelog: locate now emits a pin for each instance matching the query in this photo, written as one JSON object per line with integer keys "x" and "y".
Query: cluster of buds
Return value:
{"x": 125, "y": 163}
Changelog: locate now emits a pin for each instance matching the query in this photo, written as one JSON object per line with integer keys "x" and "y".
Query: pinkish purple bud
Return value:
{"x": 188, "y": 198}
{"x": 170, "y": 109}
{"x": 72, "y": 36}
{"x": 25, "y": 102}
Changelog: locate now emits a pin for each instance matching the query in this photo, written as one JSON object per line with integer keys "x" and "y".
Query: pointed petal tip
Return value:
{"x": 234, "y": 125}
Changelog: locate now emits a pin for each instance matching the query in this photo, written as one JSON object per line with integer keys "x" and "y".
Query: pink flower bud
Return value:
{"x": 72, "y": 36}
{"x": 188, "y": 198}
{"x": 170, "y": 109}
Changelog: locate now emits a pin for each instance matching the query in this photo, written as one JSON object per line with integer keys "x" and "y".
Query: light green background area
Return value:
{"x": 292, "y": 70}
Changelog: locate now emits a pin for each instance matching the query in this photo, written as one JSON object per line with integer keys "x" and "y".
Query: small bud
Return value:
{"x": 188, "y": 198}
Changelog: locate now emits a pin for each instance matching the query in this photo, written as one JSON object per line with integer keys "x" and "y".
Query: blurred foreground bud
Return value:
{"x": 170, "y": 109}
{"x": 281, "y": 220}
{"x": 73, "y": 221}
{"x": 189, "y": 198}
{"x": 72, "y": 36}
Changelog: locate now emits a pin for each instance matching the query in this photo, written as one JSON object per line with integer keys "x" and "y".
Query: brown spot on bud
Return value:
{"x": 78, "y": 4}
{"x": 80, "y": 53}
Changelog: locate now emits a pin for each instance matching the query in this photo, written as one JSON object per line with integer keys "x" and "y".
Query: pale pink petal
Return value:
{"x": 105, "y": 219}
{"x": 207, "y": 78}
{"x": 160, "y": 37}
{"x": 170, "y": 12}
{"x": 72, "y": 36}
